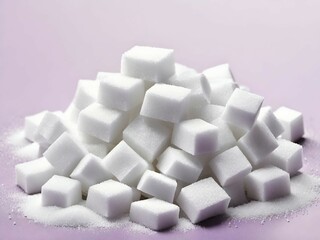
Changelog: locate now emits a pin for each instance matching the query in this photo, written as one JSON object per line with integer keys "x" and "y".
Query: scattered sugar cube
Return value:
{"x": 31, "y": 125}
{"x": 30, "y": 176}
{"x": 65, "y": 154}
{"x": 202, "y": 200}
{"x": 230, "y": 166}
{"x": 267, "y": 116}
{"x": 165, "y": 102}
{"x": 103, "y": 123}
{"x": 179, "y": 165}
{"x": 125, "y": 164}
{"x": 154, "y": 214}
{"x": 61, "y": 192}
{"x": 51, "y": 127}
{"x": 257, "y": 144}
{"x": 218, "y": 74}
{"x": 226, "y": 139}
{"x": 110, "y": 199}
{"x": 288, "y": 156}
{"x": 158, "y": 185}
{"x": 195, "y": 136}
{"x": 148, "y": 137}
{"x": 292, "y": 122}
{"x": 221, "y": 92}
{"x": 148, "y": 63}
{"x": 90, "y": 171}
{"x": 86, "y": 93}
{"x": 237, "y": 193}
{"x": 268, "y": 183}
{"x": 242, "y": 108}
{"x": 120, "y": 92}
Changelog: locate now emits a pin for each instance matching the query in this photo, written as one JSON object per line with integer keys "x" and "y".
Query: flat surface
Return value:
{"x": 46, "y": 46}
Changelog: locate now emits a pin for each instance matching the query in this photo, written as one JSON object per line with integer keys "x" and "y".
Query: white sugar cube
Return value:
{"x": 180, "y": 68}
{"x": 242, "y": 108}
{"x": 288, "y": 156}
{"x": 202, "y": 200}
{"x": 31, "y": 125}
{"x": 100, "y": 149}
{"x": 257, "y": 144}
{"x": 237, "y": 131}
{"x": 65, "y": 154}
{"x": 51, "y": 127}
{"x": 61, "y": 192}
{"x": 125, "y": 164}
{"x": 226, "y": 138}
{"x": 218, "y": 74}
{"x": 237, "y": 193}
{"x": 148, "y": 137}
{"x": 148, "y": 63}
{"x": 230, "y": 166}
{"x": 71, "y": 113}
{"x": 267, "y": 116}
{"x": 179, "y": 165}
{"x": 30, "y": 176}
{"x": 221, "y": 92}
{"x": 158, "y": 185}
{"x": 195, "y": 136}
{"x": 186, "y": 79}
{"x": 103, "y": 123}
{"x": 165, "y": 102}
{"x": 120, "y": 92}
{"x": 207, "y": 113}
{"x": 268, "y": 183}
{"x": 89, "y": 172}
{"x": 292, "y": 122}
{"x": 86, "y": 93}
{"x": 110, "y": 199}
{"x": 154, "y": 214}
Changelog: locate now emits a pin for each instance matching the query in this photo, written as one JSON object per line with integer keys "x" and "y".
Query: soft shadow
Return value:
{"x": 214, "y": 221}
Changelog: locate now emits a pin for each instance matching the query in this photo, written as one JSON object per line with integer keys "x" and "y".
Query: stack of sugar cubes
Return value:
{"x": 159, "y": 139}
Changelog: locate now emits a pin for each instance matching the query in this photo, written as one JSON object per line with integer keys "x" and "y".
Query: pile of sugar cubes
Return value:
{"x": 160, "y": 139}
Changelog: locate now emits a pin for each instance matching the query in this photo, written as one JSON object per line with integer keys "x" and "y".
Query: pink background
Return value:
{"x": 272, "y": 46}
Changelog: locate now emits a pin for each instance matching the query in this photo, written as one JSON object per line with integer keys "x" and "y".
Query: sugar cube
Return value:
{"x": 86, "y": 93}
{"x": 267, "y": 116}
{"x": 31, "y": 125}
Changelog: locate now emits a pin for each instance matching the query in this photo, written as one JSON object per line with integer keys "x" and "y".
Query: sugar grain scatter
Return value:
{"x": 160, "y": 146}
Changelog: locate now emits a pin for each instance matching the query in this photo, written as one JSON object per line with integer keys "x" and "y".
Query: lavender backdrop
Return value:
{"x": 46, "y": 46}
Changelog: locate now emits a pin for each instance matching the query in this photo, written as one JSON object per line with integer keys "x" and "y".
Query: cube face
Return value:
{"x": 154, "y": 214}
{"x": 86, "y": 93}
{"x": 188, "y": 79}
{"x": 221, "y": 92}
{"x": 165, "y": 102}
{"x": 103, "y": 123}
{"x": 148, "y": 137}
{"x": 148, "y": 63}
{"x": 267, "y": 116}
{"x": 31, "y": 125}
{"x": 288, "y": 156}
{"x": 61, "y": 192}
{"x": 158, "y": 185}
{"x": 226, "y": 139}
{"x": 242, "y": 108}
{"x": 51, "y": 127}
{"x": 257, "y": 144}
{"x": 110, "y": 198}
{"x": 207, "y": 113}
{"x": 202, "y": 200}
{"x": 125, "y": 164}
{"x": 230, "y": 167}
{"x": 179, "y": 165}
{"x": 64, "y": 154}
{"x": 195, "y": 136}
{"x": 72, "y": 113}
{"x": 292, "y": 122}
{"x": 30, "y": 176}
{"x": 267, "y": 183}
{"x": 218, "y": 73}
{"x": 90, "y": 171}
{"x": 120, "y": 92}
